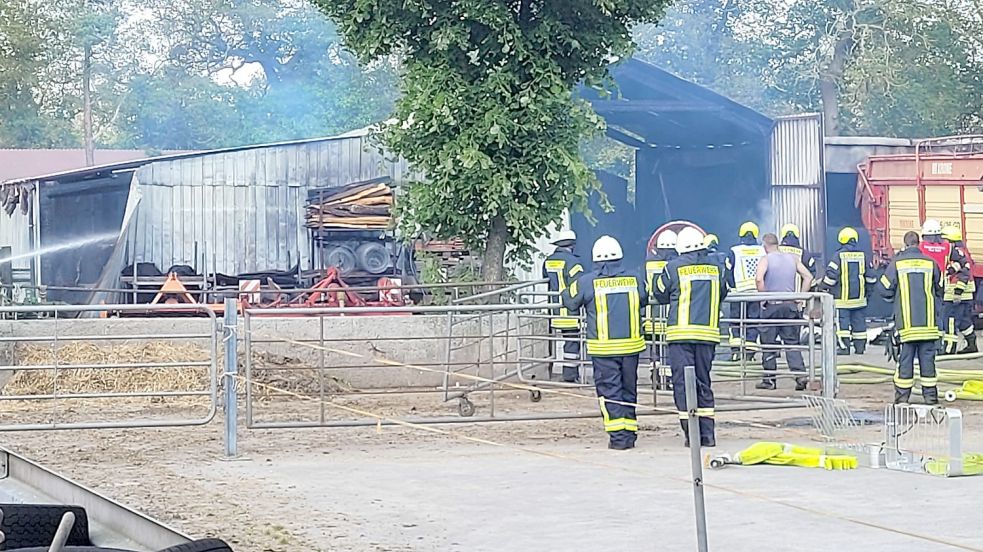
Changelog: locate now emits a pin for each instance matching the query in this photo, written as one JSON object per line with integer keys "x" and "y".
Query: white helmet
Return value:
{"x": 690, "y": 239}
{"x": 564, "y": 236}
{"x": 666, "y": 240}
{"x": 932, "y": 227}
{"x": 606, "y": 248}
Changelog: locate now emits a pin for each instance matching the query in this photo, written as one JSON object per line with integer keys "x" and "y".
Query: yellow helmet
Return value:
{"x": 748, "y": 228}
{"x": 790, "y": 229}
{"x": 952, "y": 233}
{"x": 710, "y": 240}
{"x": 847, "y": 235}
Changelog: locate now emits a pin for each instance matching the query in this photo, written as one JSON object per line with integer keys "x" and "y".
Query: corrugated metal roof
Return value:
{"x": 24, "y": 163}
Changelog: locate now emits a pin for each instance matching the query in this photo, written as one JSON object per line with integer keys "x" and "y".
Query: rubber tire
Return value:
{"x": 341, "y": 258}
{"x": 373, "y": 258}
{"x": 27, "y": 525}
{"x": 203, "y": 545}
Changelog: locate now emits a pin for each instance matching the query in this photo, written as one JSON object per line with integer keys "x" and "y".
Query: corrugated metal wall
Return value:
{"x": 798, "y": 177}
{"x": 245, "y": 208}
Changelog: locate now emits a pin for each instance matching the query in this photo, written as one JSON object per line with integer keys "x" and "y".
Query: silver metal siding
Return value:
{"x": 798, "y": 179}
{"x": 245, "y": 209}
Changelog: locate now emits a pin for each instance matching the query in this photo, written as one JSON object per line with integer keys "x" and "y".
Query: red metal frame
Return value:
{"x": 961, "y": 156}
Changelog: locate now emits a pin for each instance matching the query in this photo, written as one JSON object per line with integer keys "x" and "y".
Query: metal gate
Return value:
{"x": 62, "y": 372}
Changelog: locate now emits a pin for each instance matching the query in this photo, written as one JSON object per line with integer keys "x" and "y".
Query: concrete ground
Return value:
{"x": 510, "y": 486}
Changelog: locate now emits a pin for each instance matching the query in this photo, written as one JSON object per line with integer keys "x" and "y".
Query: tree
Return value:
{"x": 894, "y": 67}
{"x": 487, "y": 108}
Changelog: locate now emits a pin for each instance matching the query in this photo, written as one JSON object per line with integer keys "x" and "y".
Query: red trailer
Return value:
{"x": 942, "y": 179}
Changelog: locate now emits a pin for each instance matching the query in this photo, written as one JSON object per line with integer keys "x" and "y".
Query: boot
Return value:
{"x": 970, "y": 347}
{"x": 931, "y": 395}
{"x": 766, "y": 385}
{"x": 901, "y": 396}
{"x": 859, "y": 346}
{"x": 840, "y": 351}
{"x": 710, "y": 441}
{"x": 801, "y": 384}
{"x": 685, "y": 425}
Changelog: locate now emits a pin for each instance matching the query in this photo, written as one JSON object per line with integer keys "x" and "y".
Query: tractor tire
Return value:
{"x": 27, "y": 525}
{"x": 341, "y": 258}
{"x": 204, "y": 545}
{"x": 373, "y": 258}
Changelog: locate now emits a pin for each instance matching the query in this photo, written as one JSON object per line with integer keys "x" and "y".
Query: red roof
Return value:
{"x": 23, "y": 163}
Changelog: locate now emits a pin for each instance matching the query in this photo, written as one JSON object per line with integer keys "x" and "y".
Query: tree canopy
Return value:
{"x": 487, "y": 107}
{"x": 181, "y": 74}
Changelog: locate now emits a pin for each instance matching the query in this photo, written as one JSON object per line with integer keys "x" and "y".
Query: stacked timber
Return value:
{"x": 360, "y": 206}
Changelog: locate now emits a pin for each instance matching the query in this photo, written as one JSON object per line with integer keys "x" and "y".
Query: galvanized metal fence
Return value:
{"x": 58, "y": 373}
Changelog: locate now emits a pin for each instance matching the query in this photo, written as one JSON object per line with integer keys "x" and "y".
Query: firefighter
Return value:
{"x": 913, "y": 282}
{"x": 792, "y": 243}
{"x": 561, "y": 269}
{"x": 693, "y": 286}
{"x": 613, "y": 299}
{"x": 712, "y": 243}
{"x": 959, "y": 291}
{"x": 741, "y": 269}
{"x": 848, "y": 276}
{"x": 655, "y": 325}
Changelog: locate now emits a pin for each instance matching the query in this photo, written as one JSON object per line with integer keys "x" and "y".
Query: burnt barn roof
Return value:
{"x": 654, "y": 108}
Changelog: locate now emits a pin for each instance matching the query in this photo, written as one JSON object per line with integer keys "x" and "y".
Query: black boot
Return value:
{"x": 931, "y": 395}
{"x": 801, "y": 384}
{"x": 685, "y": 425}
{"x": 901, "y": 396}
{"x": 766, "y": 385}
{"x": 859, "y": 346}
{"x": 970, "y": 347}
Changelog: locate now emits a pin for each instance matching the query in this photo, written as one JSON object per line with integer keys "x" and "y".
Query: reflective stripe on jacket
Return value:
{"x": 693, "y": 286}
{"x": 913, "y": 282}
{"x": 848, "y": 275}
{"x": 561, "y": 269}
{"x": 613, "y": 299}
{"x": 653, "y": 268}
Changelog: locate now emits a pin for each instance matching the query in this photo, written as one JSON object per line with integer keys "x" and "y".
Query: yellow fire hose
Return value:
{"x": 785, "y": 454}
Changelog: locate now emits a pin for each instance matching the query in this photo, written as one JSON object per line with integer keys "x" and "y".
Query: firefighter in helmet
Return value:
{"x": 791, "y": 242}
{"x": 613, "y": 298}
{"x": 693, "y": 286}
{"x": 913, "y": 282}
{"x": 849, "y": 277}
{"x": 655, "y": 316}
{"x": 561, "y": 269}
{"x": 741, "y": 270}
{"x": 960, "y": 288}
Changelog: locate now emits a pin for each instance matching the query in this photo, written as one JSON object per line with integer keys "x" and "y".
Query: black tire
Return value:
{"x": 27, "y": 525}
{"x": 341, "y": 258}
{"x": 373, "y": 258}
{"x": 204, "y": 545}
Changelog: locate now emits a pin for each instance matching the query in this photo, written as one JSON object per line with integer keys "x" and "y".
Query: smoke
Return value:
{"x": 764, "y": 217}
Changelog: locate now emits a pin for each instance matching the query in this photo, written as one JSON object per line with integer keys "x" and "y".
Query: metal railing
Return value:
{"x": 60, "y": 373}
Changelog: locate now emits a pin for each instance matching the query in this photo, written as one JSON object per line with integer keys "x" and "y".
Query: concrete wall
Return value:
{"x": 304, "y": 343}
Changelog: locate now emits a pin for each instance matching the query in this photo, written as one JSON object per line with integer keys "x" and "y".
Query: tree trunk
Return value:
{"x": 830, "y": 80}
{"x": 90, "y": 145}
{"x": 493, "y": 261}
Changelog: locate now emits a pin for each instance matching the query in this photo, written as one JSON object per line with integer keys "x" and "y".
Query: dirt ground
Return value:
{"x": 179, "y": 475}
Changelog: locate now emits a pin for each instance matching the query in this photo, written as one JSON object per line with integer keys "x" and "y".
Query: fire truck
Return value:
{"x": 942, "y": 179}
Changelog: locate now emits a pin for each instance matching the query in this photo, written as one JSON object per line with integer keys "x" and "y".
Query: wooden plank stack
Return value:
{"x": 360, "y": 206}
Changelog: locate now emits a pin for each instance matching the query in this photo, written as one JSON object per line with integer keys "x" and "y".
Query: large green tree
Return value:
{"x": 488, "y": 110}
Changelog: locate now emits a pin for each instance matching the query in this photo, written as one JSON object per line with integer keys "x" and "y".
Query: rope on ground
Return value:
{"x": 557, "y": 456}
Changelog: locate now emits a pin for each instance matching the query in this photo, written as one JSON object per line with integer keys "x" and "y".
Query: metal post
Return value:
{"x": 695, "y": 453}
{"x": 231, "y": 338}
{"x": 830, "y": 382}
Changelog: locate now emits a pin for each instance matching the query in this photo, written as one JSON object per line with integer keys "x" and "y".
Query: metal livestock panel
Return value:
{"x": 798, "y": 178}
{"x": 245, "y": 209}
